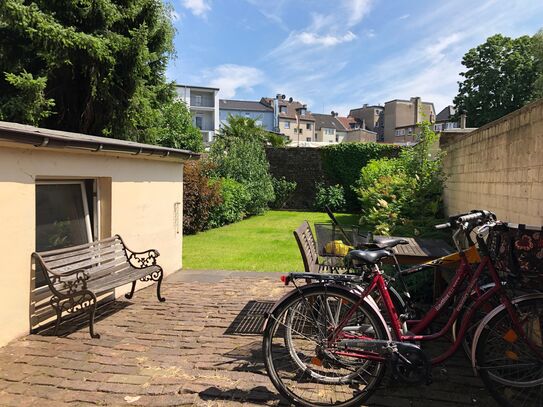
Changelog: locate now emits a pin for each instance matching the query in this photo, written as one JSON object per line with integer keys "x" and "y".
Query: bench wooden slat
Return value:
{"x": 119, "y": 279}
{"x": 88, "y": 264}
{"x": 78, "y": 247}
{"x": 52, "y": 265}
{"x": 86, "y": 251}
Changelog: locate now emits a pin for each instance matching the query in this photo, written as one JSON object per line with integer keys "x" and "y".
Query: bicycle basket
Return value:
{"x": 517, "y": 254}
{"x": 334, "y": 241}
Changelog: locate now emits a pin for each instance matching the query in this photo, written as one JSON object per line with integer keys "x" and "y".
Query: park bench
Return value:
{"x": 77, "y": 275}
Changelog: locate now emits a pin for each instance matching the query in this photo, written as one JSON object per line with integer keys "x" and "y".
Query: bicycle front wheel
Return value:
{"x": 509, "y": 363}
{"x": 303, "y": 366}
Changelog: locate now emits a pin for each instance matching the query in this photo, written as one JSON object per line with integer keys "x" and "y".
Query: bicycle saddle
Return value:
{"x": 385, "y": 242}
{"x": 369, "y": 256}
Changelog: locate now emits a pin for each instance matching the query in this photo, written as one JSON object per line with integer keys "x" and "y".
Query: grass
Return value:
{"x": 260, "y": 243}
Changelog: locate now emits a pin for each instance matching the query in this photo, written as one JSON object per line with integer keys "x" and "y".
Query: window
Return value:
{"x": 410, "y": 130}
{"x": 282, "y": 109}
{"x": 400, "y": 132}
{"x": 258, "y": 122}
{"x": 199, "y": 122}
{"x": 308, "y": 126}
{"x": 308, "y": 139}
{"x": 451, "y": 125}
{"x": 287, "y": 125}
{"x": 197, "y": 100}
{"x": 247, "y": 114}
{"x": 329, "y": 131}
{"x": 63, "y": 216}
{"x": 301, "y": 130}
{"x": 337, "y": 138}
{"x": 438, "y": 127}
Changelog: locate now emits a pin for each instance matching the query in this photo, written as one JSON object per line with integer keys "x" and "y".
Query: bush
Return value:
{"x": 283, "y": 190}
{"x": 235, "y": 199}
{"x": 405, "y": 192}
{"x": 240, "y": 156}
{"x": 342, "y": 164}
{"x": 332, "y": 196}
{"x": 199, "y": 196}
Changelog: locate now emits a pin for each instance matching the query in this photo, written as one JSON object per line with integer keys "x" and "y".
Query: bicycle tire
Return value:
{"x": 299, "y": 375}
{"x": 509, "y": 368}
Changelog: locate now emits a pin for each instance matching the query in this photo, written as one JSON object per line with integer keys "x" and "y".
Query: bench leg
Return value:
{"x": 56, "y": 306}
{"x": 92, "y": 311}
{"x": 158, "y": 284}
{"x": 131, "y": 293}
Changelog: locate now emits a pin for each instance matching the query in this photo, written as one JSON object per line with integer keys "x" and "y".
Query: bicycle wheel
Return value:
{"x": 302, "y": 366}
{"x": 510, "y": 365}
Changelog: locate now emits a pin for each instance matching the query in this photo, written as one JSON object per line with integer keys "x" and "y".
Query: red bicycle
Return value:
{"x": 327, "y": 343}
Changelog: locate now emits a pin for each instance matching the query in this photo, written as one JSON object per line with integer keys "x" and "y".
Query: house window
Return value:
{"x": 199, "y": 122}
{"x": 308, "y": 139}
{"x": 287, "y": 125}
{"x": 64, "y": 216}
{"x": 438, "y": 127}
{"x": 308, "y": 126}
{"x": 247, "y": 114}
{"x": 300, "y": 131}
{"x": 197, "y": 100}
{"x": 259, "y": 123}
{"x": 450, "y": 125}
{"x": 400, "y": 132}
{"x": 337, "y": 138}
{"x": 282, "y": 109}
{"x": 410, "y": 130}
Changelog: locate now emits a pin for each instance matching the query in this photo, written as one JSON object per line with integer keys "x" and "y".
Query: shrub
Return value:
{"x": 283, "y": 190}
{"x": 199, "y": 196}
{"x": 405, "y": 192}
{"x": 332, "y": 196}
{"x": 235, "y": 199}
{"x": 342, "y": 164}
{"x": 240, "y": 156}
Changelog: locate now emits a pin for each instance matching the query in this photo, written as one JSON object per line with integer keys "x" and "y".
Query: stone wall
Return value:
{"x": 499, "y": 167}
{"x": 300, "y": 164}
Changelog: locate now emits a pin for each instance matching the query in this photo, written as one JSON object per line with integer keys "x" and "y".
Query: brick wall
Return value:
{"x": 499, "y": 167}
{"x": 300, "y": 164}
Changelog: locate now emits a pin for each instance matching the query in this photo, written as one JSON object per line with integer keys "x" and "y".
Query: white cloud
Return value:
{"x": 230, "y": 78}
{"x": 404, "y": 16}
{"x": 356, "y": 10}
{"x": 197, "y": 7}
{"x": 442, "y": 44}
{"x": 310, "y": 38}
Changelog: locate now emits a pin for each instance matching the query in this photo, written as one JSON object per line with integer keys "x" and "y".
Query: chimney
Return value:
{"x": 463, "y": 118}
{"x": 365, "y": 105}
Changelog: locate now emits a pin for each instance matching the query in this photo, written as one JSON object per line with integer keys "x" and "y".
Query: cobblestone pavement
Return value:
{"x": 186, "y": 351}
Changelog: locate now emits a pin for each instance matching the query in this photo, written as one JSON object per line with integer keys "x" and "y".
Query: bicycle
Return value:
{"x": 327, "y": 343}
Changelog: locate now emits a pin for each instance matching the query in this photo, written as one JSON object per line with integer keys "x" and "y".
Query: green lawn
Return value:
{"x": 260, "y": 243}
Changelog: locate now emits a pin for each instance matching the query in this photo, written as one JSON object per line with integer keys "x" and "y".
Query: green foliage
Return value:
{"x": 499, "y": 78}
{"x": 26, "y": 103}
{"x": 404, "y": 192}
{"x": 342, "y": 164}
{"x": 537, "y": 50}
{"x": 175, "y": 129}
{"x": 200, "y": 196}
{"x": 235, "y": 199}
{"x": 283, "y": 190}
{"x": 332, "y": 196}
{"x": 238, "y": 153}
{"x": 103, "y": 63}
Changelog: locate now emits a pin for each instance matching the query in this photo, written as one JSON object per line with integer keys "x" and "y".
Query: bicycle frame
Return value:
{"x": 417, "y": 326}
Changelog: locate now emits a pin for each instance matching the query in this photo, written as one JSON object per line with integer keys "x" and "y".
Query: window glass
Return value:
{"x": 287, "y": 125}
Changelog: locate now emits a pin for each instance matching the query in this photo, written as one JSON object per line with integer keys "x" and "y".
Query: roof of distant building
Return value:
{"x": 349, "y": 122}
{"x": 327, "y": 121}
{"x": 291, "y": 109}
{"x": 196, "y": 87}
{"x": 446, "y": 114}
{"x": 250, "y": 105}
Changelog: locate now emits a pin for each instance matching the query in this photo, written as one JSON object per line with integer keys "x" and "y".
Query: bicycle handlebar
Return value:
{"x": 466, "y": 218}
{"x": 443, "y": 226}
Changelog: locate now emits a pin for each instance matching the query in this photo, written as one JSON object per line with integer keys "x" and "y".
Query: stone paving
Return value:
{"x": 186, "y": 351}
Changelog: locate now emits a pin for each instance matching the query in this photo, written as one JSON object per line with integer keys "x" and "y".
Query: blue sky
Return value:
{"x": 338, "y": 54}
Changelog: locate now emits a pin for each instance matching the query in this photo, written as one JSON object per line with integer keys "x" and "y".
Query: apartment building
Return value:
{"x": 328, "y": 129}
{"x": 203, "y": 103}
{"x": 262, "y": 114}
{"x": 401, "y": 118}
{"x": 370, "y": 118}
{"x": 445, "y": 119}
{"x": 292, "y": 119}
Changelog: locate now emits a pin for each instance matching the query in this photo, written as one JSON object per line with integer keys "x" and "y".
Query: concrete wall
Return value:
{"x": 499, "y": 167}
{"x": 359, "y": 135}
{"x": 145, "y": 208}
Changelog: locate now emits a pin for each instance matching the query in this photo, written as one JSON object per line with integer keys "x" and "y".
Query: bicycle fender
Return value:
{"x": 353, "y": 290}
{"x": 489, "y": 316}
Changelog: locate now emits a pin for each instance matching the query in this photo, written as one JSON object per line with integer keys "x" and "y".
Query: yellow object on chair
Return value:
{"x": 337, "y": 247}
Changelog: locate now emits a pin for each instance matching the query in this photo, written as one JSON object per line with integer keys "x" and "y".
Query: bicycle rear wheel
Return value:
{"x": 303, "y": 366}
{"x": 510, "y": 365}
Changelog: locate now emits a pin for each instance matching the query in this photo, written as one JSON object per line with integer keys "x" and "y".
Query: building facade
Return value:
{"x": 445, "y": 119}
{"x": 328, "y": 129}
{"x": 59, "y": 189}
{"x": 370, "y": 118}
{"x": 401, "y": 118}
{"x": 203, "y": 103}
{"x": 258, "y": 111}
{"x": 292, "y": 119}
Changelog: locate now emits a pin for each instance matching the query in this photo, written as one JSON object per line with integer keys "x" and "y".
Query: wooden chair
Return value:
{"x": 308, "y": 250}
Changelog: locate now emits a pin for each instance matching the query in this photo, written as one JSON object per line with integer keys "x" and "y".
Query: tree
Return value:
{"x": 175, "y": 129}
{"x": 499, "y": 79}
{"x": 247, "y": 128}
{"x": 537, "y": 43}
{"x": 101, "y": 63}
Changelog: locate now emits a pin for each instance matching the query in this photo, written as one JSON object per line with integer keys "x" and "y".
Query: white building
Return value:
{"x": 204, "y": 107}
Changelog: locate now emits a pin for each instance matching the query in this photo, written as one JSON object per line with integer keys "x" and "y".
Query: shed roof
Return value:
{"x": 46, "y": 138}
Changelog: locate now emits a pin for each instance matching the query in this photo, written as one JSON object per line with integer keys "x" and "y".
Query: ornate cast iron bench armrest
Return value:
{"x": 142, "y": 259}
